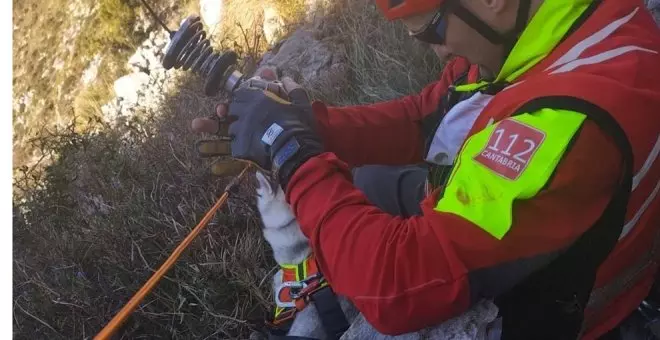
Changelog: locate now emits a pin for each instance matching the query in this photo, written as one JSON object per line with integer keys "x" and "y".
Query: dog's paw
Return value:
{"x": 271, "y": 202}
{"x": 265, "y": 189}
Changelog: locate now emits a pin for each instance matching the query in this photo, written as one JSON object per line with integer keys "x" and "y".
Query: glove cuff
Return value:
{"x": 291, "y": 156}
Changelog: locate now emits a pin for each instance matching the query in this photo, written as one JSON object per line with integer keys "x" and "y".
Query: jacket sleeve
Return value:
{"x": 408, "y": 274}
{"x": 384, "y": 133}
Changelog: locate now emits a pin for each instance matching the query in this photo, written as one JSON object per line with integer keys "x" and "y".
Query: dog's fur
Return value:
{"x": 290, "y": 246}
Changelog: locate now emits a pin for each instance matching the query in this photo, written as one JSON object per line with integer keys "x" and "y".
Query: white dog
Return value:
{"x": 290, "y": 246}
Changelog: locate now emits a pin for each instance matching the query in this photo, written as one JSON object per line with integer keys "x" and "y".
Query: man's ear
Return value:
{"x": 498, "y": 6}
{"x": 487, "y": 9}
{"x": 498, "y": 14}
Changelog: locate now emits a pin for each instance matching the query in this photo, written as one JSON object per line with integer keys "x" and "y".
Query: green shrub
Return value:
{"x": 111, "y": 28}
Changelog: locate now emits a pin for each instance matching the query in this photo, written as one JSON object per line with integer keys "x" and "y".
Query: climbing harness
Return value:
{"x": 301, "y": 285}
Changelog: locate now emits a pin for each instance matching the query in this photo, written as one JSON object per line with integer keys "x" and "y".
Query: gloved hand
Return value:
{"x": 218, "y": 124}
{"x": 219, "y": 148}
{"x": 275, "y": 134}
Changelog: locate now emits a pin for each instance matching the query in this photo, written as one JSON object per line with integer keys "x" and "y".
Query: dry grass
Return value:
{"x": 241, "y": 26}
{"x": 113, "y": 205}
{"x": 385, "y": 62}
{"x": 108, "y": 214}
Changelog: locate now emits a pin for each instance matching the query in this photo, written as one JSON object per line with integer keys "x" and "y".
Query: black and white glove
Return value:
{"x": 218, "y": 148}
{"x": 275, "y": 134}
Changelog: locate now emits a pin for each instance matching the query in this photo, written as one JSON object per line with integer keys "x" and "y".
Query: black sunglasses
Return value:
{"x": 436, "y": 30}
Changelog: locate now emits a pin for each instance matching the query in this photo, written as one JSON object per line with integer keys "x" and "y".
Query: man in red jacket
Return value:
{"x": 551, "y": 207}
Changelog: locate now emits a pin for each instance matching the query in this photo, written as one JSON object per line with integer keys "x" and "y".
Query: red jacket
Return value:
{"x": 407, "y": 274}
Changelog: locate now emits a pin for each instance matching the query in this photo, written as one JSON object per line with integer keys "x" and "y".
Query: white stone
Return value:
{"x": 129, "y": 86}
{"x": 22, "y": 102}
{"x": 137, "y": 61}
{"x": 58, "y": 64}
{"x": 146, "y": 87}
{"x": 273, "y": 25}
{"x": 315, "y": 7}
{"x": 147, "y": 57}
{"x": 92, "y": 70}
{"x": 211, "y": 12}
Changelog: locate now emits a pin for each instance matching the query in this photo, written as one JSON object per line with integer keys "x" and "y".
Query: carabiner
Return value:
{"x": 294, "y": 288}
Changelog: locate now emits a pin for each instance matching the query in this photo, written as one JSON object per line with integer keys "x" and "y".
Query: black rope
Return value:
{"x": 153, "y": 14}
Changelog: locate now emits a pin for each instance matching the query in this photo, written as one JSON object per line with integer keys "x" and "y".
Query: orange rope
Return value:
{"x": 132, "y": 304}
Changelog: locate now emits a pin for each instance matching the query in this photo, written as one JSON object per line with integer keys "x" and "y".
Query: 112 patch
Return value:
{"x": 510, "y": 148}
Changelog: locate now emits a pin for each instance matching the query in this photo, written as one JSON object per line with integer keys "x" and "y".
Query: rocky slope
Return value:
{"x": 301, "y": 54}
{"x": 67, "y": 53}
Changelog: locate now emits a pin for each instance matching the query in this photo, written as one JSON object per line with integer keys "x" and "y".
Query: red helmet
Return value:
{"x": 397, "y": 9}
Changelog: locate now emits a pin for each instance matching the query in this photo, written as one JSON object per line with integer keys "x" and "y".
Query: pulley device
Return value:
{"x": 190, "y": 49}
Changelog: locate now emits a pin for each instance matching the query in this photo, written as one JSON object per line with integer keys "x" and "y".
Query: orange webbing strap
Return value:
{"x": 132, "y": 304}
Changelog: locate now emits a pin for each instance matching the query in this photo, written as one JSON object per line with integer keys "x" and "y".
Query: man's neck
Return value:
{"x": 490, "y": 73}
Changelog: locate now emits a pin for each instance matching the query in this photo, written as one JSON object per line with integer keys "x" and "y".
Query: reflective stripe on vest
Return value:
{"x": 512, "y": 159}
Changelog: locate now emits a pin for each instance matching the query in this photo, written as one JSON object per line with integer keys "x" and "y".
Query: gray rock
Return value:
{"x": 273, "y": 25}
{"x": 654, "y": 7}
{"x": 311, "y": 62}
{"x": 146, "y": 86}
{"x": 474, "y": 324}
